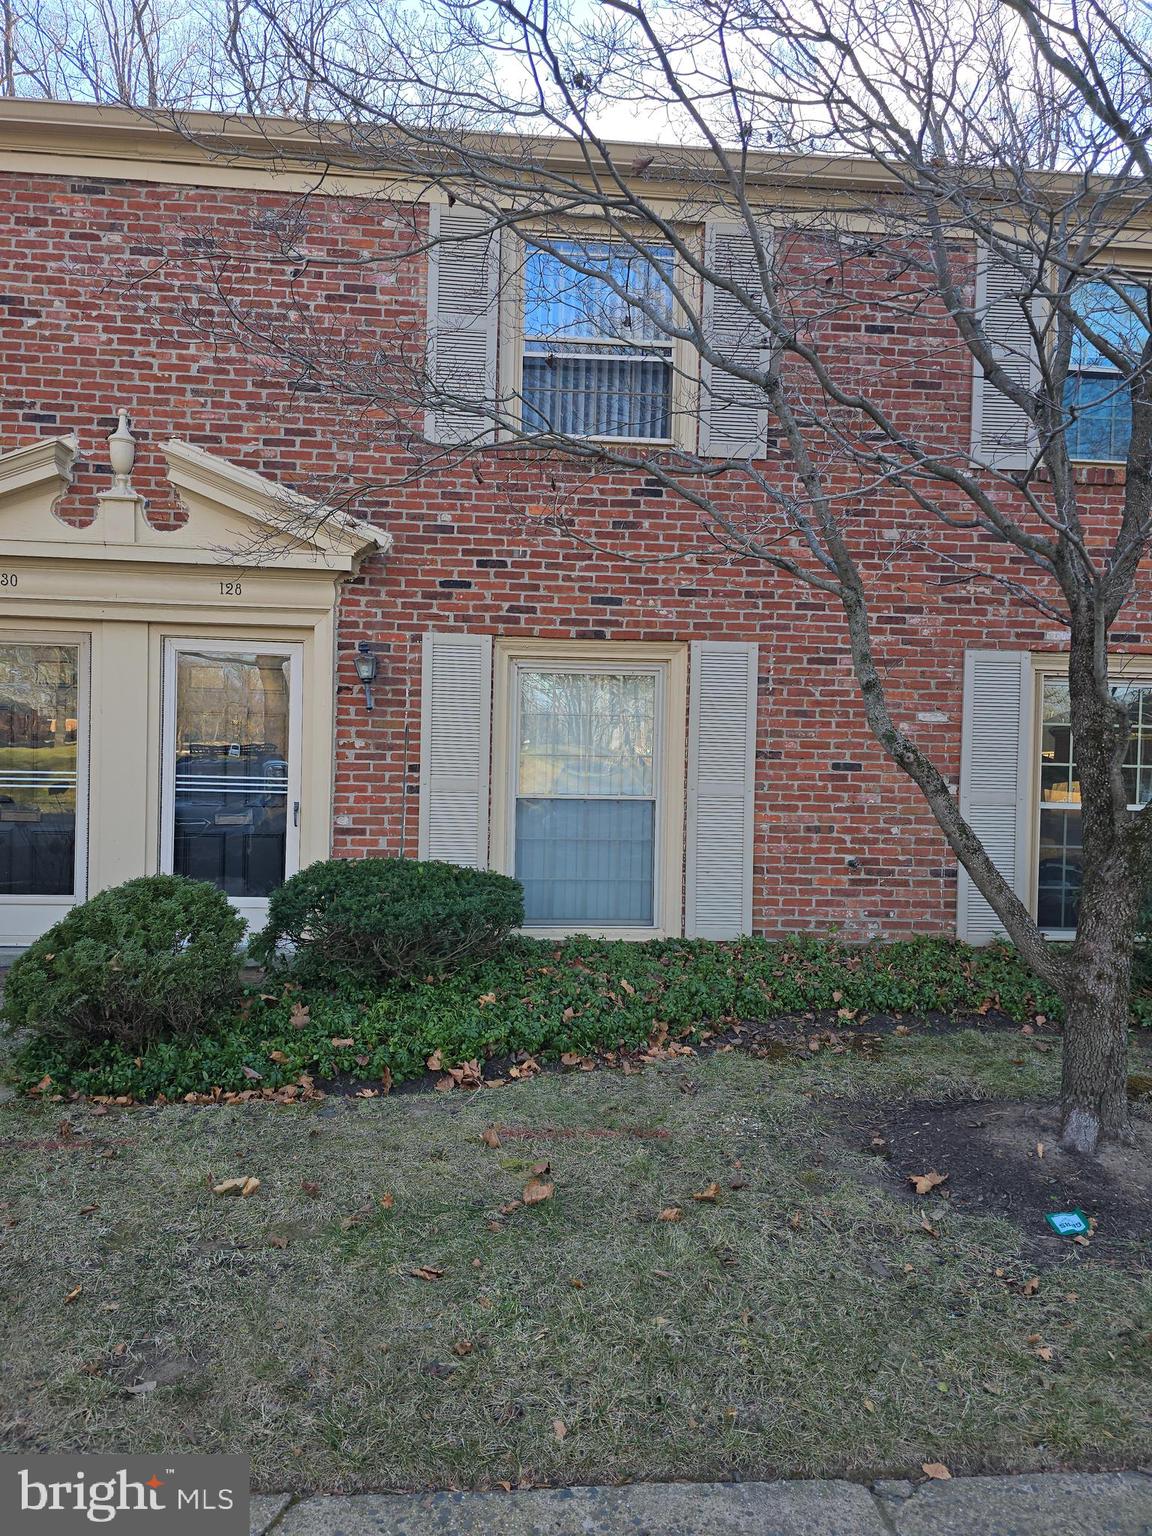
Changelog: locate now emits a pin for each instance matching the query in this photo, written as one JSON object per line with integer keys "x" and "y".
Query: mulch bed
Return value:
{"x": 1004, "y": 1159}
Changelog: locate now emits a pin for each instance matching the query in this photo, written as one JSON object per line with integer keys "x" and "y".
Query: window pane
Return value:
{"x": 586, "y": 861}
{"x": 39, "y": 761}
{"x": 231, "y": 810}
{"x": 598, "y": 396}
{"x": 1103, "y": 421}
{"x": 586, "y": 733}
{"x": 1058, "y": 875}
{"x": 567, "y": 305}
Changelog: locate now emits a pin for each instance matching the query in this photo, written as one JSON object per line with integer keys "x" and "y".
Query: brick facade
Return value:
{"x": 103, "y": 305}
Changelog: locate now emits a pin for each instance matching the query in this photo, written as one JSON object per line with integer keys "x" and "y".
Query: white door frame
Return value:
{"x": 254, "y": 908}
{"x": 25, "y": 918}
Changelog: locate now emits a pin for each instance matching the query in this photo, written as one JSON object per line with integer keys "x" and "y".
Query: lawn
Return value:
{"x": 814, "y": 1317}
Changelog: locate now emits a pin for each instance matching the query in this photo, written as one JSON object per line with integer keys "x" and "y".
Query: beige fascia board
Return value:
{"x": 38, "y": 463}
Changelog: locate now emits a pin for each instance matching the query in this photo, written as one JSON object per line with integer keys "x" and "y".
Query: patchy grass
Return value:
{"x": 802, "y": 1324}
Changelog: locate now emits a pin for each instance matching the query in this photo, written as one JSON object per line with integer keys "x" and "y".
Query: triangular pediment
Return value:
{"x": 234, "y": 516}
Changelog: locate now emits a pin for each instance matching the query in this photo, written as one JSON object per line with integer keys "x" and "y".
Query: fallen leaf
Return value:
{"x": 935, "y": 1469}
{"x": 486, "y": 999}
{"x": 426, "y": 1272}
{"x": 300, "y": 1017}
{"x": 901, "y": 1029}
{"x": 629, "y": 988}
{"x": 244, "y": 1186}
{"x": 277, "y": 1240}
{"x": 387, "y": 1200}
{"x": 386, "y": 1080}
{"x": 251, "y": 1074}
{"x": 1045, "y": 1352}
{"x": 671, "y": 1213}
{"x": 924, "y": 1183}
{"x": 539, "y": 1169}
{"x": 141, "y": 1387}
{"x": 869, "y": 1405}
{"x": 490, "y": 1137}
{"x": 538, "y": 1190}
{"x": 927, "y": 1226}
{"x": 1039, "y": 1149}
{"x": 708, "y": 1195}
{"x": 1030, "y": 1287}
{"x": 462, "y": 1347}
{"x": 309, "y": 1186}
{"x": 72, "y": 1295}
{"x": 342, "y": 1044}
{"x": 435, "y": 1062}
{"x": 86, "y": 1210}
{"x": 559, "y": 1428}
{"x": 576, "y": 1284}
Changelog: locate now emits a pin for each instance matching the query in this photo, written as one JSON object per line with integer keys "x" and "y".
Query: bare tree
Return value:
{"x": 1012, "y": 134}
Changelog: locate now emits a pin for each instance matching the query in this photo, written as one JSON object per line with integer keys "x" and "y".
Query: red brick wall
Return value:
{"x": 103, "y": 304}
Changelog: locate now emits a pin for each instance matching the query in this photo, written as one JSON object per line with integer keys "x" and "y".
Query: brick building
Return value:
{"x": 658, "y": 739}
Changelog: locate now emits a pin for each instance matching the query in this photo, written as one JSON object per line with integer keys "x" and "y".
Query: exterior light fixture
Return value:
{"x": 367, "y": 664}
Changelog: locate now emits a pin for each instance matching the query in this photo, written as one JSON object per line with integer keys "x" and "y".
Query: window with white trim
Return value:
{"x": 586, "y": 790}
{"x": 597, "y": 361}
{"x": 1097, "y": 396}
{"x": 1059, "y": 861}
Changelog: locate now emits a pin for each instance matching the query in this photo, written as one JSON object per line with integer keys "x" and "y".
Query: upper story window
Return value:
{"x": 597, "y": 361}
{"x": 1096, "y": 392}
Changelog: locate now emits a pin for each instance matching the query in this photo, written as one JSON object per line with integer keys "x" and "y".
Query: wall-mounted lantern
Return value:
{"x": 367, "y": 664}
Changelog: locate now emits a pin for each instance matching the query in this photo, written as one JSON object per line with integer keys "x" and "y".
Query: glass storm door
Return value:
{"x": 231, "y": 810}
{"x": 43, "y": 781}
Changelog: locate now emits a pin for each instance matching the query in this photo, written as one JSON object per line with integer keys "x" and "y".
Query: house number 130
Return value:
{"x": 231, "y": 589}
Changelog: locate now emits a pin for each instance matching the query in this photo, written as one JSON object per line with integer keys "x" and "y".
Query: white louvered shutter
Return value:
{"x": 455, "y": 748}
{"x": 1002, "y": 434}
{"x": 721, "y": 785}
{"x": 733, "y": 412}
{"x": 995, "y": 780}
{"x": 463, "y": 313}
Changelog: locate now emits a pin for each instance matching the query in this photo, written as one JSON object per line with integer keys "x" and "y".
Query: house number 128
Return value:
{"x": 231, "y": 589}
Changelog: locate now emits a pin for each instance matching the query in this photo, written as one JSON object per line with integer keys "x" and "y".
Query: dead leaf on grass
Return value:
{"x": 491, "y": 1137}
{"x": 426, "y": 1272}
{"x": 310, "y": 1186}
{"x": 72, "y": 1295}
{"x": 435, "y": 1062}
{"x": 1030, "y": 1287}
{"x": 86, "y": 1210}
{"x": 671, "y": 1213}
{"x": 251, "y": 1074}
{"x": 936, "y": 1470}
{"x": 709, "y": 1195}
{"x": 925, "y": 1183}
{"x": 277, "y": 1240}
{"x": 386, "y": 1080}
{"x": 245, "y": 1186}
{"x": 462, "y": 1347}
{"x": 300, "y": 1017}
{"x": 538, "y": 1190}
{"x": 559, "y": 1429}
{"x": 387, "y": 1200}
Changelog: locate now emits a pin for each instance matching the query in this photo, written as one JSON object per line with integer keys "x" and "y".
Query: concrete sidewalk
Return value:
{"x": 1034, "y": 1504}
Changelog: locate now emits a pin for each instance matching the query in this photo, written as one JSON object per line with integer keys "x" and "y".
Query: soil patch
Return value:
{"x": 1004, "y": 1159}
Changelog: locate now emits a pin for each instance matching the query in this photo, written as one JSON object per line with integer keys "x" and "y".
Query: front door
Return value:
{"x": 230, "y": 812}
{"x": 43, "y": 780}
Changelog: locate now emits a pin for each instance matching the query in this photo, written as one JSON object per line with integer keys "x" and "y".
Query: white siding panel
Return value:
{"x": 463, "y": 314}
{"x": 995, "y": 780}
{"x": 455, "y": 748}
{"x": 733, "y": 412}
{"x": 721, "y": 790}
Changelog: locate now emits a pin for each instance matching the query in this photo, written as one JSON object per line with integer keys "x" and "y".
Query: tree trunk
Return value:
{"x": 1094, "y": 1078}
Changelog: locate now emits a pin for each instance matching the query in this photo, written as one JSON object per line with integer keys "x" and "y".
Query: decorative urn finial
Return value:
{"x": 122, "y": 455}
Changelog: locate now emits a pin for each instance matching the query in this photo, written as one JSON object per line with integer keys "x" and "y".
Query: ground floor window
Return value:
{"x": 39, "y": 767}
{"x": 1058, "y": 871}
{"x": 586, "y": 792}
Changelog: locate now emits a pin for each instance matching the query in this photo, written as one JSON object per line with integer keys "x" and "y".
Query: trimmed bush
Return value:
{"x": 370, "y": 920}
{"x": 149, "y": 961}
